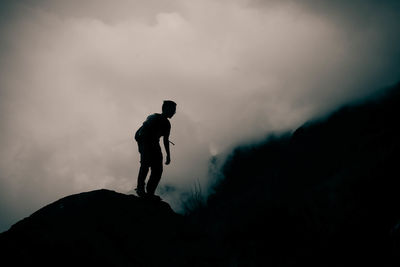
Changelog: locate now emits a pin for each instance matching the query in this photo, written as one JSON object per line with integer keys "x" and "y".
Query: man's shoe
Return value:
{"x": 140, "y": 192}
{"x": 153, "y": 197}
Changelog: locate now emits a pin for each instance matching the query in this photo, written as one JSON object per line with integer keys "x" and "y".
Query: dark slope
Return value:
{"x": 98, "y": 228}
{"x": 328, "y": 195}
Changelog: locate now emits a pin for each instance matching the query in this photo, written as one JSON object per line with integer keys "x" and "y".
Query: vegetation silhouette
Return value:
{"x": 326, "y": 195}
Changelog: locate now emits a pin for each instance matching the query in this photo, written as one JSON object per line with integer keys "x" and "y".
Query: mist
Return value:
{"x": 77, "y": 78}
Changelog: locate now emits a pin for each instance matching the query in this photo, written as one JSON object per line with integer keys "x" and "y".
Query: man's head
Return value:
{"x": 169, "y": 108}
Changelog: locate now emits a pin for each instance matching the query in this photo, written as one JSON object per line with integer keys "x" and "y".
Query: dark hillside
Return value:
{"x": 99, "y": 228}
{"x": 327, "y": 195}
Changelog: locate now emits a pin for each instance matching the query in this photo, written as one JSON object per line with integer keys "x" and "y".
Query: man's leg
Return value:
{"x": 155, "y": 176}
{"x": 143, "y": 171}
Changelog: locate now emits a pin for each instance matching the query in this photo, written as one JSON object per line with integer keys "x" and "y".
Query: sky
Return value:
{"x": 77, "y": 78}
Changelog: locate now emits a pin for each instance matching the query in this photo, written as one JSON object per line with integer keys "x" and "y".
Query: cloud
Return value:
{"x": 77, "y": 80}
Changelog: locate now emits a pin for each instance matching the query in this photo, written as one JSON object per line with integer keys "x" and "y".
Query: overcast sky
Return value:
{"x": 78, "y": 77}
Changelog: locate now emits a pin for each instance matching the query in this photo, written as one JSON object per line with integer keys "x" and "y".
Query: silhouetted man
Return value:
{"x": 148, "y": 139}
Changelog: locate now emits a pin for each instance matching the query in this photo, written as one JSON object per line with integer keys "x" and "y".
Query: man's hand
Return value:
{"x": 168, "y": 160}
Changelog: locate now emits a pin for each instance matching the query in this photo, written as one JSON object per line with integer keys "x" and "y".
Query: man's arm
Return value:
{"x": 166, "y": 145}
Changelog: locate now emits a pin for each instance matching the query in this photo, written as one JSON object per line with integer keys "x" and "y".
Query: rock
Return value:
{"x": 97, "y": 228}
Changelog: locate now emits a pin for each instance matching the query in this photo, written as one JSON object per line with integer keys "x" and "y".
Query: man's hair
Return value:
{"x": 168, "y": 105}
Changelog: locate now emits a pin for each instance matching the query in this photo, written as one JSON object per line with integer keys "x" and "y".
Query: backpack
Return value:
{"x": 148, "y": 131}
{"x": 138, "y": 134}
